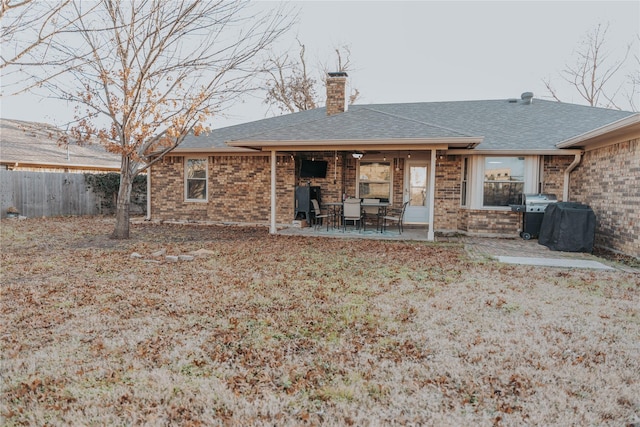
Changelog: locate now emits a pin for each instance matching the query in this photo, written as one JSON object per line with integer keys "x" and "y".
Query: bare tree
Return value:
{"x": 26, "y": 26}
{"x": 633, "y": 93}
{"x": 144, "y": 74}
{"x": 291, "y": 87}
{"x": 342, "y": 65}
{"x": 593, "y": 71}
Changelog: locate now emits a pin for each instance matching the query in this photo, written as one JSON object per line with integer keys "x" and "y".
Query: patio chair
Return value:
{"x": 395, "y": 218}
{"x": 318, "y": 216}
{"x": 370, "y": 212}
{"x": 351, "y": 211}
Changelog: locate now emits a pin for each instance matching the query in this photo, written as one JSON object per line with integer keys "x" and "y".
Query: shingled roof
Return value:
{"x": 507, "y": 124}
{"x": 36, "y": 145}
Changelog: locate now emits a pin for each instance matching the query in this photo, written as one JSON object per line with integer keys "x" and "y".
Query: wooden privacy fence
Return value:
{"x": 38, "y": 194}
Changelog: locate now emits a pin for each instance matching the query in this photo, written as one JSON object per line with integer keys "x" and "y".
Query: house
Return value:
{"x": 40, "y": 177}
{"x": 460, "y": 164}
{"x": 30, "y": 146}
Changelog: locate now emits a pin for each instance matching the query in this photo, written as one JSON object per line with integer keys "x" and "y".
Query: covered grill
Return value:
{"x": 532, "y": 209}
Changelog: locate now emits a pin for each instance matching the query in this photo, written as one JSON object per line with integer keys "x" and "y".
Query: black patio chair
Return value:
{"x": 395, "y": 218}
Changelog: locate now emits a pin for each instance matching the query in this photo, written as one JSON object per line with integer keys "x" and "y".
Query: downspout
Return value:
{"x": 148, "y": 218}
{"x": 567, "y": 172}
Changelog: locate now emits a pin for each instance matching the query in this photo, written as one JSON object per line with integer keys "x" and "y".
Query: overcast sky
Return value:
{"x": 431, "y": 51}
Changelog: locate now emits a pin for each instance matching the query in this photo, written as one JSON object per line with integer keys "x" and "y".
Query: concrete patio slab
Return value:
{"x": 554, "y": 262}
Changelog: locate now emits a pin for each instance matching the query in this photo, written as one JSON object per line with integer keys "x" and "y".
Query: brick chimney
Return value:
{"x": 336, "y": 92}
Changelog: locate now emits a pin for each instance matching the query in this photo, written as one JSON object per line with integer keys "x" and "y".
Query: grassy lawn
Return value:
{"x": 282, "y": 330}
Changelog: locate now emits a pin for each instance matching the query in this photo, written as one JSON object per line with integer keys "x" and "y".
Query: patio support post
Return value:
{"x": 432, "y": 196}
{"x": 272, "y": 227}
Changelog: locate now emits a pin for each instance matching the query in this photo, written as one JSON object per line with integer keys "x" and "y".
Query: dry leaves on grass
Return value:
{"x": 262, "y": 329}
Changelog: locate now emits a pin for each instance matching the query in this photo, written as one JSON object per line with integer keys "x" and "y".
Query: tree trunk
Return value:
{"x": 121, "y": 230}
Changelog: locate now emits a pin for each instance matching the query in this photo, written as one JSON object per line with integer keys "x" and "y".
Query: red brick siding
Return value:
{"x": 398, "y": 184}
{"x": 335, "y": 103}
{"x": 331, "y": 187}
{"x": 553, "y": 178}
{"x": 463, "y": 219}
{"x": 239, "y": 189}
{"x": 608, "y": 180}
{"x": 490, "y": 222}
{"x": 350, "y": 176}
{"x": 448, "y": 187}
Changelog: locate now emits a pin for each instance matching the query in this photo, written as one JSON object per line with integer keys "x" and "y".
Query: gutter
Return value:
{"x": 417, "y": 144}
{"x": 534, "y": 152}
{"x": 567, "y": 172}
{"x": 38, "y": 165}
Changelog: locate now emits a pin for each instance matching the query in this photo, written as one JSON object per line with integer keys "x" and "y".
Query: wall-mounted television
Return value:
{"x": 313, "y": 169}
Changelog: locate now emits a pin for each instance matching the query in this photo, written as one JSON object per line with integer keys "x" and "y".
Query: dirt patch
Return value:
{"x": 616, "y": 257}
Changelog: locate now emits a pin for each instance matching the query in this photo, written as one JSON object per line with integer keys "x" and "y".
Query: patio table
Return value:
{"x": 336, "y": 208}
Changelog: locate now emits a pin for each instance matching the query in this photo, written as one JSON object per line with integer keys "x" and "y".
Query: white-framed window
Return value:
{"x": 464, "y": 185}
{"x": 375, "y": 180}
{"x": 503, "y": 182}
{"x": 196, "y": 177}
{"x": 495, "y": 182}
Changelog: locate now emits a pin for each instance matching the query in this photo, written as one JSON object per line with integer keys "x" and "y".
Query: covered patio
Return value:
{"x": 344, "y": 166}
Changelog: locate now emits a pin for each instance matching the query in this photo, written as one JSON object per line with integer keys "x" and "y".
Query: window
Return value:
{"x": 503, "y": 180}
{"x": 464, "y": 188}
{"x": 374, "y": 181}
{"x": 417, "y": 185}
{"x": 196, "y": 179}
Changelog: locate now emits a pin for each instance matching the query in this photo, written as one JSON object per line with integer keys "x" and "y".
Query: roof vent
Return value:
{"x": 527, "y": 97}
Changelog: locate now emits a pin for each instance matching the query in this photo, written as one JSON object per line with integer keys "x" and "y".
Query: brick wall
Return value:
{"x": 488, "y": 222}
{"x": 451, "y": 216}
{"x": 398, "y": 184}
{"x": 350, "y": 176}
{"x": 463, "y": 219}
{"x": 448, "y": 187}
{"x": 608, "y": 180}
{"x": 239, "y": 189}
{"x": 553, "y": 179}
{"x": 331, "y": 187}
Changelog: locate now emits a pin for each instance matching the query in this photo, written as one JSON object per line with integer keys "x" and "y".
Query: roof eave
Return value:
{"x": 621, "y": 130}
{"x": 211, "y": 150}
{"x": 114, "y": 168}
{"x": 532, "y": 152}
{"x": 417, "y": 144}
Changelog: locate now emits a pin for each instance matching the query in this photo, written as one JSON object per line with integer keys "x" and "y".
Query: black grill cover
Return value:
{"x": 568, "y": 227}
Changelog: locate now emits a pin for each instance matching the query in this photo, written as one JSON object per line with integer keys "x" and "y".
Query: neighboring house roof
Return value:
{"x": 36, "y": 145}
{"x": 490, "y": 125}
